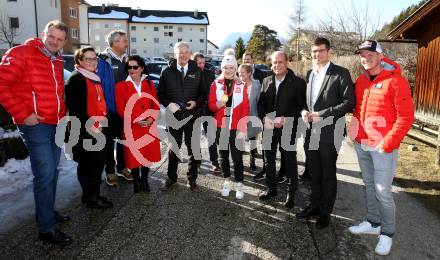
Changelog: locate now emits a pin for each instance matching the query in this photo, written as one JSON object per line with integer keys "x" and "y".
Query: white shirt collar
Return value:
{"x": 137, "y": 87}
{"x": 323, "y": 70}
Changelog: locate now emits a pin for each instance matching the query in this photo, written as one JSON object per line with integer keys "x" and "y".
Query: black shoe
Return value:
{"x": 290, "y": 201}
{"x": 307, "y": 213}
{"x": 216, "y": 167}
{"x": 193, "y": 185}
{"x": 144, "y": 183}
{"x": 99, "y": 202}
{"x": 268, "y": 194}
{"x": 260, "y": 175}
{"x": 55, "y": 237}
{"x": 60, "y": 218}
{"x": 136, "y": 182}
{"x": 168, "y": 185}
{"x": 281, "y": 179}
{"x": 322, "y": 222}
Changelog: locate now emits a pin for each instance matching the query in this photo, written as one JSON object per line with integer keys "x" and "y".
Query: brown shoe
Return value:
{"x": 111, "y": 180}
{"x": 125, "y": 173}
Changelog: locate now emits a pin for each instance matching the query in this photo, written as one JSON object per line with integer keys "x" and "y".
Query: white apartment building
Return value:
{"x": 29, "y": 17}
{"x": 151, "y": 33}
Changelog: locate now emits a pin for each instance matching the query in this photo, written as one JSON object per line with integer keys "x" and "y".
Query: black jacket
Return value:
{"x": 288, "y": 102}
{"x": 208, "y": 78}
{"x": 259, "y": 75}
{"x": 76, "y": 103}
{"x": 173, "y": 89}
{"x": 335, "y": 98}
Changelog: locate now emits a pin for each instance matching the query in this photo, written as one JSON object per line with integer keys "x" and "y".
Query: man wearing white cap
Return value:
{"x": 383, "y": 114}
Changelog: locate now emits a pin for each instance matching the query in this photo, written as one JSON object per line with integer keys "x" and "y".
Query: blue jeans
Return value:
{"x": 377, "y": 173}
{"x": 44, "y": 155}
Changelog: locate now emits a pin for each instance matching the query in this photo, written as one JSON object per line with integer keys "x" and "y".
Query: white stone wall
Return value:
{"x": 100, "y": 28}
{"x": 47, "y": 10}
{"x": 145, "y": 36}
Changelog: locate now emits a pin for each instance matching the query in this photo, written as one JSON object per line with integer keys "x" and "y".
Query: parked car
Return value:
{"x": 69, "y": 62}
{"x": 158, "y": 59}
{"x": 264, "y": 68}
{"x": 153, "y": 69}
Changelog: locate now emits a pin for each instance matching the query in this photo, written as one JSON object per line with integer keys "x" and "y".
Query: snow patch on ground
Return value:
{"x": 5, "y": 134}
{"x": 16, "y": 175}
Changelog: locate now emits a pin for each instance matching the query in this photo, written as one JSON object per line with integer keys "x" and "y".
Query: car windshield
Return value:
{"x": 155, "y": 68}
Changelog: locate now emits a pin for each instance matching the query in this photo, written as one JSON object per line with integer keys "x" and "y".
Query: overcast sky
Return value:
{"x": 227, "y": 16}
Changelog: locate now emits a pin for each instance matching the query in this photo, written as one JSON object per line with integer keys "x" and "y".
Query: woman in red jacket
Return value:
{"x": 137, "y": 104}
{"x": 228, "y": 99}
{"x": 85, "y": 101}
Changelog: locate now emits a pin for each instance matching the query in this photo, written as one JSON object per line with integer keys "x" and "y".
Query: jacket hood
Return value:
{"x": 389, "y": 67}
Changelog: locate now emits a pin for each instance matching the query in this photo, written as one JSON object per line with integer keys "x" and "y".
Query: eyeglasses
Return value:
{"x": 135, "y": 67}
{"x": 90, "y": 60}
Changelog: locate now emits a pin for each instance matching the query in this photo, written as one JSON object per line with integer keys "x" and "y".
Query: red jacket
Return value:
{"x": 240, "y": 105}
{"x": 32, "y": 82}
{"x": 140, "y": 153}
{"x": 384, "y": 108}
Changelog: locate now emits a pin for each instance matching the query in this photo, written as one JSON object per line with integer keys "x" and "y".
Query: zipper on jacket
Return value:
{"x": 56, "y": 89}
{"x": 35, "y": 103}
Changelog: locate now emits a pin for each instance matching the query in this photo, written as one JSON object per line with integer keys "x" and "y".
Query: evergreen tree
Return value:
{"x": 239, "y": 48}
{"x": 262, "y": 42}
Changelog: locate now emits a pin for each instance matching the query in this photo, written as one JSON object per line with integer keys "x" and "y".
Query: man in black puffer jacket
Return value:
{"x": 181, "y": 91}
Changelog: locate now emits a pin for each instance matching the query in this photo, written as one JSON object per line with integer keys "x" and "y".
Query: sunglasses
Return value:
{"x": 135, "y": 67}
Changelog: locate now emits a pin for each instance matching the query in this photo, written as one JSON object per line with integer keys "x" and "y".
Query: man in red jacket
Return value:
{"x": 32, "y": 89}
{"x": 383, "y": 114}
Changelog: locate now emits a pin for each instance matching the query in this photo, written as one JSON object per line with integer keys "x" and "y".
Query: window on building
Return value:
{"x": 73, "y": 13}
{"x": 202, "y": 40}
{"x": 190, "y": 29}
{"x": 179, "y": 29}
{"x": 202, "y": 51}
{"x": 168, "y": 34}
{"x": 145, "y": 27}
{"x": 118, "y": 26}
{"x": 145, "y": 39}
{"x": 106, "y": 26}
{"x": 179, "y": 40}
{"x": 12, "y": 0}
{"x": 133, "y": 51}
{"x": 202, "y": 29}
{"x": 156, "y": 29}
{"x": 209, "y": 52}
{"x": 145, "y": 51}
{"x": 165, "y": 27}
{"x": 190, "y": 40}
{"x": 97, "y": 26}
{"x": 156, "y": 40}
{"x": 56, "y": 3}
{"x": 170, "y": 27}
{"x": 14, "y": 22}
{"x": 133, "y": 28}
{"x": 133, "y": 39}
{"x": 97, "y": 38}
{"x": 74, "y": 33}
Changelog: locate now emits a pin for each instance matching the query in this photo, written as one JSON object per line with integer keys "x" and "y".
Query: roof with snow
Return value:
{"x": 173, "y": 17}
{"x": 148, "y": 16}
{"x": 109, "y": 12}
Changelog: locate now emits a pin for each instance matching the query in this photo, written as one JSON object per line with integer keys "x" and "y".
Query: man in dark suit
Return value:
{"x": 208, "y": 77}
{"x": 282, "y": 98}
{"x": 330, "y": 95}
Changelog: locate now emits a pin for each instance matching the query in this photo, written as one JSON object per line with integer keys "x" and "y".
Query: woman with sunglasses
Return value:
{"x": 85, "y": 101}
{"x": 137, "y": 104}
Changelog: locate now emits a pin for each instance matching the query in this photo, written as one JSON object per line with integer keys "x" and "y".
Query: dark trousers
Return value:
{"x": 237, "y": 154}
{"x": 173, "y": 161}
{"x": 213, "y": 154}
{"x": 290, "y": 163}
{"x": 140, "y": 171}
{"x": 113, "y": 131}
{"x": 322, "y": 169}
{"x": 90, "y": 167}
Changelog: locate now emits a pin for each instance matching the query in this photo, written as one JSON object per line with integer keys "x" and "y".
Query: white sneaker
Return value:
{"x": 364, "y": 227}
{"x": 384, "y": 245}
{"x": 239, "y": 194}
{"x": 226, "y": 188}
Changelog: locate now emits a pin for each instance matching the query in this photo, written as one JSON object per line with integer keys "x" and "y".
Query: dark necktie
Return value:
{"x": 182, "y": 71}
